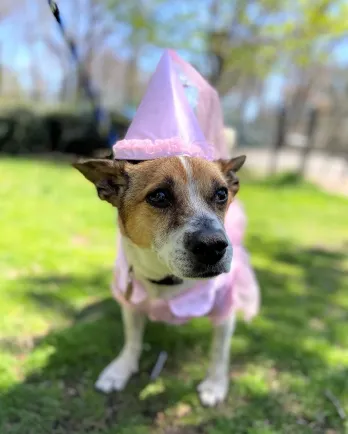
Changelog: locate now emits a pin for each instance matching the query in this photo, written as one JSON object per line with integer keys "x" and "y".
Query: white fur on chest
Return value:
{"x": 144, "y": 262}
{"x": 146, "y": 266}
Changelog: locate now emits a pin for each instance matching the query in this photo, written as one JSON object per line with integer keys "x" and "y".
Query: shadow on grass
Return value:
{"x": 58, "y": 292}
{"x": 288, "y": 179}
{"x": 281, "y": 180}
{"x": 303, "y": 311}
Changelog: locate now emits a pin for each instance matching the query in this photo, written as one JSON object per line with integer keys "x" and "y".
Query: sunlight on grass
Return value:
{"x": 152, "y": 389}
{"x": 59, "y": 326}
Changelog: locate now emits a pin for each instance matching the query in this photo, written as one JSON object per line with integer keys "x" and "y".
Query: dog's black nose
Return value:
{"x": 207, "y": 246}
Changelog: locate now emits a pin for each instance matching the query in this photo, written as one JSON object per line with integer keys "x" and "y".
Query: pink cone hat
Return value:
{"x": 165, "y": 123}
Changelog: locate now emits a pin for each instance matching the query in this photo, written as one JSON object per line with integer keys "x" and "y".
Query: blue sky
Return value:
{"x": 17, "y": 55}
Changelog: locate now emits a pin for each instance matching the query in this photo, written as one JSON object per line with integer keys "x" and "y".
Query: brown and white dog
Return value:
{"x": 171, "y": 219}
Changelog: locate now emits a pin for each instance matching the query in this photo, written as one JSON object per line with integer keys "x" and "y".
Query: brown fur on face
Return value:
{"x": 192, "y": 182}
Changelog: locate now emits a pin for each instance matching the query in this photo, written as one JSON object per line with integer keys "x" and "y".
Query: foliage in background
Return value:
{"x": 239, "y": 45}
{"x": 243, "y": 39}
{"x": 63, "y": 128}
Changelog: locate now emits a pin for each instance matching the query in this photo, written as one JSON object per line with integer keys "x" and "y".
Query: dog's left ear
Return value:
{"x": 229, "y": 168}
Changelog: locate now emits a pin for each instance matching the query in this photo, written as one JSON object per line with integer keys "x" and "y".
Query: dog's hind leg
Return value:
{"x": 116, "y": 375}
{"x": 215, "y": 387}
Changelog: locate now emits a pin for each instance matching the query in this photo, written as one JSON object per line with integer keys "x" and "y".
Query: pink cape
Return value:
{"x": 215, "y": 298}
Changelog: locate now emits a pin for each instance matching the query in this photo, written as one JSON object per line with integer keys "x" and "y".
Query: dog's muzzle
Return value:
{"x": 209, "y": 250}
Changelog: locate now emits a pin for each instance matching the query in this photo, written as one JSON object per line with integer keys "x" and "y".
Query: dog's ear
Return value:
{"x": 108, "y": 176}
{"x": 229, "y": 169}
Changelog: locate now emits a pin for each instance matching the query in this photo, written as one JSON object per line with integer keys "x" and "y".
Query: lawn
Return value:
{"x": 59, "y": 326}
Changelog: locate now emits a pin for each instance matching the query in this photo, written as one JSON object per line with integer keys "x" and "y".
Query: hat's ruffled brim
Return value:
{"x": 146, "y": 149}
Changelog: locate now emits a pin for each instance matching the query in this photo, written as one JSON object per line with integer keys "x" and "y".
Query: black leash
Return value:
{"x": 99, "y": 115}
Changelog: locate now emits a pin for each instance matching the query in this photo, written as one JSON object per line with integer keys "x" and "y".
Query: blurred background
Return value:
{"x": 280, "y": 67}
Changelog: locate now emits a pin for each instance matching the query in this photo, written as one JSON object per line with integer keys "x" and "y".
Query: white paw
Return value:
{"x": 213, "y": 390}
{"x": 117, "y": 374}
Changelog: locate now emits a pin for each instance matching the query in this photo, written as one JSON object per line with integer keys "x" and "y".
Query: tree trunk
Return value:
{"x": 131, "y": 82}
{"x": 279, "y": 141}
{"x": 312, "y": 126}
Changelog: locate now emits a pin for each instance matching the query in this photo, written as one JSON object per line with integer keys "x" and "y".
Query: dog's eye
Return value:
{"x": 160, "y": 198}
{"x": 221, "y": 195}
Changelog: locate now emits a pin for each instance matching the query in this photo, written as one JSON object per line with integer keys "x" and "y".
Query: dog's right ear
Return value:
{"x": 108, "y": 176}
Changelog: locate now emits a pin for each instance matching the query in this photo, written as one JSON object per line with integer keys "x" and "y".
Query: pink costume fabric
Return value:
{"x": 181, "y": 114}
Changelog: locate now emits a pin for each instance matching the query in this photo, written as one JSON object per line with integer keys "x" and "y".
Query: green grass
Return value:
{"x": 59, "y": 326}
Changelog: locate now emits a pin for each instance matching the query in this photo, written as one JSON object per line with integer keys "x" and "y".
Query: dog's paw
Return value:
{"x": 117, "y": 374}
{"x": 213, "y": 390}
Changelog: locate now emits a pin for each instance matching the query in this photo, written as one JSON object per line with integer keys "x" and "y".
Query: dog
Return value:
{"x": 171, "y": 218}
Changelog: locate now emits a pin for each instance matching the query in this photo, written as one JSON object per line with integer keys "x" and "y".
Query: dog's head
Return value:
{"x": 175, "y": 206}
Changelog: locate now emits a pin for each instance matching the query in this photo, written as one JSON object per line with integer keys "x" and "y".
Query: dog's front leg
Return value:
{"x": 116, "y": 375}
{"x": 215, "y": 387}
